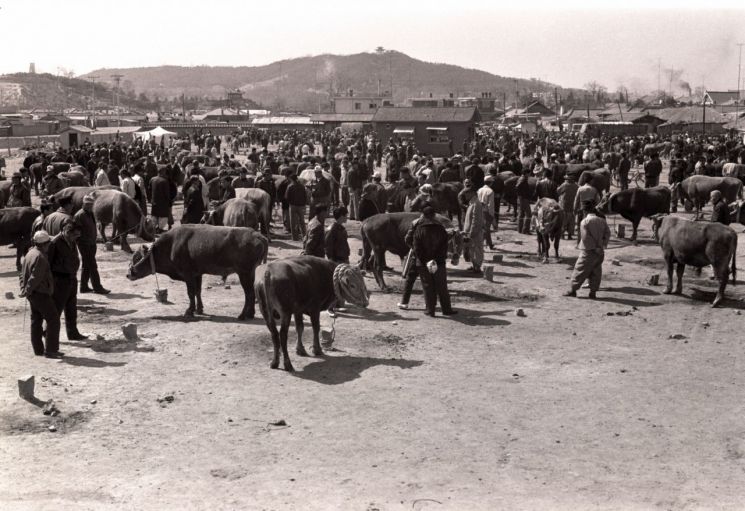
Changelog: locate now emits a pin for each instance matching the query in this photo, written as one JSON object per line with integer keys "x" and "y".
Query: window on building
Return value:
{"x": 358, "y": 106}
{"x": 438, "y": 135}
{"x": 373, "y": 106}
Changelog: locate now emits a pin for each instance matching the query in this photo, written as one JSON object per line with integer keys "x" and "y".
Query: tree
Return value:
{"x": 597, "y": 91}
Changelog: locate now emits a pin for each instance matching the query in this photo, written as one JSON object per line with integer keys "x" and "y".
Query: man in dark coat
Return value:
{"x": 320, "y": 192}
{"x": 337, "y": 246}
{"x": 652, "y": 171}
{"x": 546, "y": 187}
{"x": 297, "y": 199}
{"x": 524, "y": 212}
{"x": 449, "y": 174}
{"x": 160, "y": 207}
{"x": 20, "y": 192}
{"x": 315, "y": 242}
{"x": 87, "y": 247}
{"x": 475, "y": 173}
{"x": 52, "y": 183}
{"x": 624, "y": 166}
{"x": 193, "y": 202}
{"x": 429, "y": 241}
{"x": 64, "y": 263}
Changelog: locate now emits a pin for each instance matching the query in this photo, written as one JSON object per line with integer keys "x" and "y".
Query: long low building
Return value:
{"x": 352, "y": 121}
{"x": 78, "y": 135}
{"x": 439, "y": 131}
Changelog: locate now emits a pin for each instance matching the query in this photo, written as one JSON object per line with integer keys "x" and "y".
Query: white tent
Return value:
{"x": 156, "y": 133}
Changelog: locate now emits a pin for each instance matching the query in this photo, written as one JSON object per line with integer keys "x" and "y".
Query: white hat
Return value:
{"x": 41, "y": 237}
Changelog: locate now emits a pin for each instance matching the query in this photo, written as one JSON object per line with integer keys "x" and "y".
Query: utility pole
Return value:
{"x": 93, "y": 121}
{"x": 739, "y": 69}
{"x": 659, "y": 76}
{"x": 117, "y": 79}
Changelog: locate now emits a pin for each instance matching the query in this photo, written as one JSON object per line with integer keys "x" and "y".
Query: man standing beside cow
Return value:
{"x": 594, "y": 239}
{"x": 87, "y": 247}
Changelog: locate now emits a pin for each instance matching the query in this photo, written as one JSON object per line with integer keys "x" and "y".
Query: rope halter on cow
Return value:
{"x": 349, "y": 285}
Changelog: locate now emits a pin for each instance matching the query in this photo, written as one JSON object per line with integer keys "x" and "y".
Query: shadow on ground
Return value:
{"x": 338, "y": 370}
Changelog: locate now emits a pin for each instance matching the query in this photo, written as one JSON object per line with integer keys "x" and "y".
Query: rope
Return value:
{"x": 152, "y": 267}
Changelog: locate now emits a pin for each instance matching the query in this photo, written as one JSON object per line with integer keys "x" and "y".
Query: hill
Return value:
{"x": 305, "y": 83}
{"x": 47, "y": 91}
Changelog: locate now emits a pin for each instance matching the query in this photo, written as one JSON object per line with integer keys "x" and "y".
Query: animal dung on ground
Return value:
{"x": 9, "y": 295}
{"x": 497, "y": 258}
{"x": 520, "y": 313}
{"x": 161, "y": 295}
{"x": 109, "y": 246}
{"x": 677, "y": 336}
{"x": 615, "y": 262}
{"x": 653, "y": 280}
{"x": 130, "y": 331}
{"x": 621, "y": 231}
{"x": 327, "y": 335}
{"x": 489, "y": 273}
{"x": 26, "y": 387}
{"x": 227, "y": 286}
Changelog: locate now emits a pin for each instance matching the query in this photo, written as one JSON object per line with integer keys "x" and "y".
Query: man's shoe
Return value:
{"x": 592, "y": 295}
{"x": 84, "y": 290}
{"x": 102, "y": 291}
{"x": 450, "y": 312}
{"x": 431, "y": 314}
{"x": 77, "y": 337}
{"x": 403, "y": 306}
{"x": 571, "y": 293}
{"x": 54, "y": 354}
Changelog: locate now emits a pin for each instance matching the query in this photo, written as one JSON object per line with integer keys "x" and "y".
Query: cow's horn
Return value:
{"x": 344, "y": 275}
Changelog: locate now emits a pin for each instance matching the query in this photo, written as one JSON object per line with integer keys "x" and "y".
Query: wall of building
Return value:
{"x": 348, "y": 105}
{"x": 457, "y": 134}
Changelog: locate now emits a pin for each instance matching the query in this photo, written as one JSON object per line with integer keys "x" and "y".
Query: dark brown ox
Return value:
{"x": 233, "y": 213}
{"x": 636, "y": 203}
{"x": 304, "y": 285}
{"x": 548, "y": 220}
{"x": 120, "y": 210}
{"x": 697, "y": 244}
{"x": 444, "y": 199}
{"x": 697, "y": 189}
{"x": 188, "y": 252}
{"x": 387, "y": 231}
{"x": 15, "y": 227}
{"x": 598, "y": 179}
{"x": 74, "y": 178}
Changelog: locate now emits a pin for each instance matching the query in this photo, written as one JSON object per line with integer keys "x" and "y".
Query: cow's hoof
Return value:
{"x": 200, "y": 310}
{"x": 317, "y": 352}
{"x": 189, "y": 313}
{"x": 245, "y": 317}
{"x": 274, "y": 365}
{"x": 301, "y": 352}
{"x": 667, "y": 292}
{"x": 678, "y": 292}
{"x": 289, "y": 368}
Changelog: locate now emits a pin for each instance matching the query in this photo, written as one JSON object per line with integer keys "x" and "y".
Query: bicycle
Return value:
{"x": 636, "y": 176}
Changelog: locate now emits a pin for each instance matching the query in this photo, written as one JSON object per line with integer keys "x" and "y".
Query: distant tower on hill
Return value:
{"x": 32, "y": 68}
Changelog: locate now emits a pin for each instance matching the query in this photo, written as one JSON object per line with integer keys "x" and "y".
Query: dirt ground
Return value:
{"x": 633, "y": 401}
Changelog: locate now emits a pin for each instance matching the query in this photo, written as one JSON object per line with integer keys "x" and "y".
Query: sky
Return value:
{"x": 568, "y": 43}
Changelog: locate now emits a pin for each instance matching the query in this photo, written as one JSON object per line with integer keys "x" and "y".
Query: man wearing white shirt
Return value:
{"x": 101, "y": 178}
{"x": 486, "y": 197}
{"x": 126, "y": 183}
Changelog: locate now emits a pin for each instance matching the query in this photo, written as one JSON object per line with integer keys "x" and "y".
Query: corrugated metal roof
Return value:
{"x": 426, "y": 114}
{"x": 341, "y": 117}
{"x": 693, "y": 114}
{"x": 281, "y": 120}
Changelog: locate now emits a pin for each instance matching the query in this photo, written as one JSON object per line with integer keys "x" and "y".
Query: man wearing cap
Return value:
{"x": 524, "y": 195}
{"x": 595, "y": 236}
{"x": 585, "y": 193}
{"x": 161, "y": 201}
{"x": 37, "y": 285}
{"x": 652, "y": 171}
{"x": 87, "y": 248}
{"x": 64, "y": 263}
{"x": 624, "y": 167}
{"x": 52, "y": 183}
{"x": 38, "y": 224}
{"x": 720, "y": 212}
{"x": 297, "y": 198}
{"x": 20, "y": 193}
{"x": 567, "y": 192}
{"x": 486, "y": 196}
{"x": 429, "y": 241}
{"x": 354, "y": 184}
{"x": 475, "y": 173}
{"x": 243, "y": 180}
{"x": 336, "y": 244}
{"x": 54, "y": 223}
{"x": 127, "y": 185}
{"x": 314, "y": 243}
{"x": 320, "y": 192}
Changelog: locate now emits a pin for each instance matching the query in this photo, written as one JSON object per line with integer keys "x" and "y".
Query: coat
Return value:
{"x": 160, "y": 192}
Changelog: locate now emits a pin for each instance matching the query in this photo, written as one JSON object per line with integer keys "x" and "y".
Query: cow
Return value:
{"x": 598, "y": 179}
{"x": 123, "y": 212}
{"x": 304, "y": 285}
{"x": 548, "y": 220}
{"x": 398, "y": 196}
{"x": 734, "y": 170}
{"x": 15, "y": 228}
{"x": 635, "y": 203}
{"x": 386, "y": 232}
{"x": 444, "y": 199}
{"x": 5, "y": 192}
{"x": 77, "y": 193}
{"x": 74, "y": 178}
{"x": 697, "y": 244}
{"x": 510, "y": 192}
{"x": 661, "y": 148}
{"x": 697, "y": 189}
{"x": 188, "y": 252}
{"x": 233, "y": 213}
{"x": 262, "y": 202}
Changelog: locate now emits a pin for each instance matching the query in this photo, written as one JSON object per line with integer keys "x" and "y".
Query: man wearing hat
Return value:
{"x": 64, "y": 263}
{"x": 37, "y": 285}
{"x": 524, "y": 195}
{"x": 595, "y": 236}
{"x": 567, "y": 192}
{"x": 38, "y": 223}
{"x": 52, "y": 183}
{"x": 20, "y": 192}
{"x": 320, "y": 191}
{"x": 297, "y": 199}
{"x": 473, "y": 224}
{"x": 314, "y": 243}
{"x": 490, "y": 204}
{"x": 87, "y": 248}
{"x": 243, "y": 180}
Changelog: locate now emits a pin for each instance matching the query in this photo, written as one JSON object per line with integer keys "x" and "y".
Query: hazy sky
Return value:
{"x": 569, "y": 45}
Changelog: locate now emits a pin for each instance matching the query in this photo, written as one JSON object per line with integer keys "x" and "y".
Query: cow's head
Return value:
{"x": 142, "y": 264}
{"x": 604, "y": 206}
{"x": 146, "y": 229}
{"x": 456, "y": 246}
{"x": 208, "y": 217}
{"x": 349, "y": 285}
{"x": 656, "y": 223}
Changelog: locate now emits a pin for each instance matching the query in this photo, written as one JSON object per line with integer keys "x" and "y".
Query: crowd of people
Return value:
{"x": 311, "y": 175}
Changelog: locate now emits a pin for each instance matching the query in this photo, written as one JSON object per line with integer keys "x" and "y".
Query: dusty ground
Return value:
{"x": 567, "y": 408}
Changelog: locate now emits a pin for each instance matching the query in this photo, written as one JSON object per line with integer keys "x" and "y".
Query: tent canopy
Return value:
{"x": 156, "y": 133}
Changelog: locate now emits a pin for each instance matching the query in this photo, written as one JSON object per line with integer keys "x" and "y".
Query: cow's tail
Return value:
{"x": 734, "y": 266}
{"x": 260, "y": 290}
{"x": 364, "y": 264}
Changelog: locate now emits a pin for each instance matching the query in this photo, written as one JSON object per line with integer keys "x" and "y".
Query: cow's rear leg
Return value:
{"x": 635, "y": 228}
{"x": 272, "y": 326}
{"x": 300, "y": 348}
{"x": 249, "y": 305}
{"x": 284, "y": 327}
{"x": 198, "y": 294}
{"x": 679, "y": 270}
{"x": 315, "y": 321}
{"x": 669, "y": 263}
{"x": 102, "y": 230}
{"x": 189, "y": 313}
{"x": 378, "y": 270}
{"x": 557, "y": 240}
{"x": 125, "y": 244}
